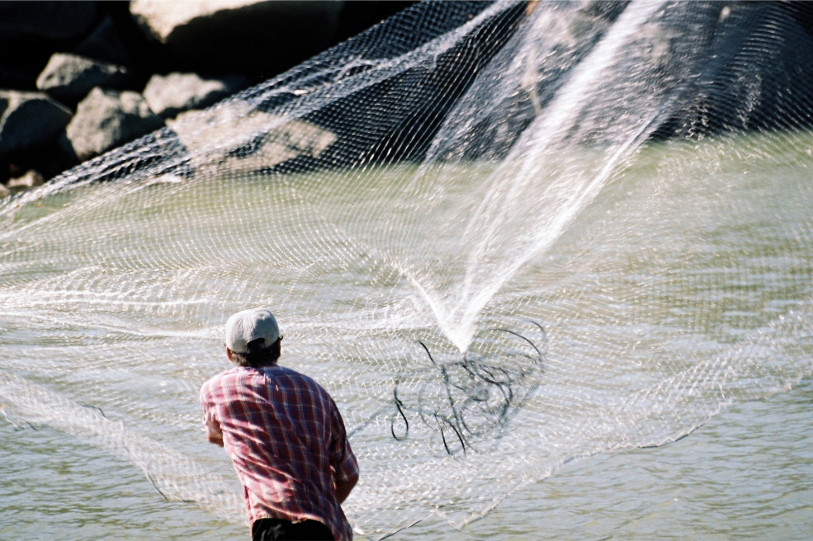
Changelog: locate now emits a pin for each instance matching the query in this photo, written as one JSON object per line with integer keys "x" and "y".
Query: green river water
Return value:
{"x": 676, "y": 302}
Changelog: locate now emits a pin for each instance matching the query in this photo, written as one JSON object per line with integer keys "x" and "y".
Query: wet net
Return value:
{"x": 504, "y": 236}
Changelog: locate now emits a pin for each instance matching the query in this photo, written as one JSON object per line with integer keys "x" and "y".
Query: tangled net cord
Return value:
{"x": 459, "y": 168}
{"x": 490, "y": 394}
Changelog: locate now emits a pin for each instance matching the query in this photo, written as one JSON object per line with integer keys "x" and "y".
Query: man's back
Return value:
{"x": 288, "y": 443}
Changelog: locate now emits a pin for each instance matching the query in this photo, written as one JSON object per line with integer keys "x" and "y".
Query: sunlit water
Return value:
{"x": 691, "y": 256}
{"x": 747, "y": 474}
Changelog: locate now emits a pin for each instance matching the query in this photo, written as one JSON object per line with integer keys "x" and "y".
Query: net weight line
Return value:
{"x": 473, "y": 397}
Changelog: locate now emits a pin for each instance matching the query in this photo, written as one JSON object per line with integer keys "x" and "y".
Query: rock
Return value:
{"x": 46, "y": 20}
{"x": 249, "y": 140}
{"x": 29, "y": 119}
{"x": 106, "y": 119}
{"x": 29, "y": 180}
{"x": 4, "y": 192}
{"x": 104, "y": 44}
{"x": 241, "y": 34}
{"x": 68, "y": 77}
{"x": 168, "y": 95}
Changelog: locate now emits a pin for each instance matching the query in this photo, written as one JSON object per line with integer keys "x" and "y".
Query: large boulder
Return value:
{"x": 107, "y": 119}
{"x": 68, "y": 77}
{"x": 29, "y": 119}
{"x": 31, "y": 31}
{"x": 104, "y": 43}
{"x": 248, "y": 36}
{"x": 168, "y": 95}
{"x": 30, "y": 179}
{"x": 237, "y": 138}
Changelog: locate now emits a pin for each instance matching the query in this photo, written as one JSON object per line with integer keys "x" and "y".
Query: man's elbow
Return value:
{"x": 217, "y": 440}
{"x": 343, "y": 488}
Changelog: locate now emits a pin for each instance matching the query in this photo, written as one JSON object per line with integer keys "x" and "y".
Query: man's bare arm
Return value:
{"x": 213, "y": 432}
{"x": 343, "y": 489}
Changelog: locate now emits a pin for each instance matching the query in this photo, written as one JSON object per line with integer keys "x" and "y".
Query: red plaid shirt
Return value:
{"x": 287, "y": 441}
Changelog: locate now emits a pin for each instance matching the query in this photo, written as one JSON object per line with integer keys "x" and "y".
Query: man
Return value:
{"x": 284, "y": 435}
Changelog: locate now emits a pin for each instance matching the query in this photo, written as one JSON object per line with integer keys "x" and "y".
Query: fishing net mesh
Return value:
{"x": 504, "y": 236}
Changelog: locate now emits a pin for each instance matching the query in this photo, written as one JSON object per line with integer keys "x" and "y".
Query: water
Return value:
{"x": 676, "y": 303}
{"x": 747, "y": 474}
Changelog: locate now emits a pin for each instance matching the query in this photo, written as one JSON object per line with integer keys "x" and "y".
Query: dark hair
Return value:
{"x": 257, "y": 356}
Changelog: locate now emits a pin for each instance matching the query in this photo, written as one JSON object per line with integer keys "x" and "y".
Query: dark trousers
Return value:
{"x": 276, "y": 529}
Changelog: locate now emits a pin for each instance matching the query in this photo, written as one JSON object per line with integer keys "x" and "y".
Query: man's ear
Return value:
{"x": 228, "y": 353}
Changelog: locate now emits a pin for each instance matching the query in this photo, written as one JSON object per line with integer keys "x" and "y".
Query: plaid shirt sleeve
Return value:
{"x": 342, "y": 460}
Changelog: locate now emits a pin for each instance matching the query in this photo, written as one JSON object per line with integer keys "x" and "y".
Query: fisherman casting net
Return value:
{"x": 503, "y": 236}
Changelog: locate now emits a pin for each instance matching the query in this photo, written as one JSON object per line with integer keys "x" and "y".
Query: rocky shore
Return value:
{"x": 80, "y": 78}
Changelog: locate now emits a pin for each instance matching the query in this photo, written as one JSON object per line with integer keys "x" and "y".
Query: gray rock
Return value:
{"x": 105, "y": 44}
{"x": 247, "y": 140}
{"x": 27, "y": 181}
{"x": 171, "y": 21}
{"x": 168, "y": 95}
{"x": 240, "y": 34}
{"x": 107, "y": 119}
{"x": 68, "y": 77}
{"x": 29, "y": 119}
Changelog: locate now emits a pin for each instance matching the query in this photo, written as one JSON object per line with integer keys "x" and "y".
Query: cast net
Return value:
{"x": 503, "y": 236}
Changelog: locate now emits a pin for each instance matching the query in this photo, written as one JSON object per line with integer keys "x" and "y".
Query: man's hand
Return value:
{"x": 213, "y": 432}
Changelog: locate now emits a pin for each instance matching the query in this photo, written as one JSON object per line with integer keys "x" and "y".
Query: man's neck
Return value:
{"x": 267, "y": 365}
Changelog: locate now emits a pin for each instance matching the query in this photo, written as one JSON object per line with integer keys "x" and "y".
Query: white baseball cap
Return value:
{"x": 250, "y": 325}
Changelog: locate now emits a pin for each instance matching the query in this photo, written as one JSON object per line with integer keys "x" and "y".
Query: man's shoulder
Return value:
{"x": 239, "y": 377}
{"x": 294, "y": 375}
{"x": 298, "y": 378}
{"x": 222, "y": 377}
